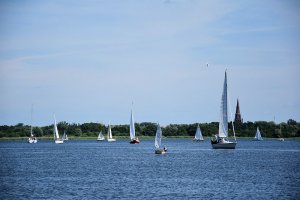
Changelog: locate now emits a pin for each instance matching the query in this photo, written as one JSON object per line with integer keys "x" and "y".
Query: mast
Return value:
{"x": 31, "y": 128}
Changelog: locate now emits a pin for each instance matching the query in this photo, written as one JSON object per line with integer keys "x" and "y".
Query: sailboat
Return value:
{"x": 258, "y": 135}
{"x": 100, "y": 137}
{"x": 109, "y": 135}
{"x": 32, "y": 139}
{"x": 280, "y": 139}
{"x": 65, "y": 136}
{"x": 57, "y": 140}
{"x": 198, "y": 135}
{"x": 133, "y": 139}
{"x": 157, "y": 143}
{"x": 220, "y": 141}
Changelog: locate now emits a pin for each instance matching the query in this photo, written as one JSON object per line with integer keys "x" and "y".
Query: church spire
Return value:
{"x": 238, "y": 118}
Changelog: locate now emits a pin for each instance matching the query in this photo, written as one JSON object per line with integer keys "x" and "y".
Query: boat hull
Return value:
{"x": 197, "y": 140}
{"x": 229, "y": 145}
{"x": 134, "y": 141}
{"x": 59, "y": 141}
{"x": 111, "y": 140}
{"x": 160, "y": 151}
{"x": 32, "y": 141}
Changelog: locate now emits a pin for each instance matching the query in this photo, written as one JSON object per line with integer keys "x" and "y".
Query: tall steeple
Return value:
{"x": 238, "y": 118}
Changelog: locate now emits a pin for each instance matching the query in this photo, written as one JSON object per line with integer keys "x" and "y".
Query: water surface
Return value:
{"x": 189, "y": 170}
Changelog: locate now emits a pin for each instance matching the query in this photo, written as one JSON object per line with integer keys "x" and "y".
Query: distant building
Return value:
{"x": 238, "y": 117}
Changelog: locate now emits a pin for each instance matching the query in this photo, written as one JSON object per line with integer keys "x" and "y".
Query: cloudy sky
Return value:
{"x": 86, "y": 61}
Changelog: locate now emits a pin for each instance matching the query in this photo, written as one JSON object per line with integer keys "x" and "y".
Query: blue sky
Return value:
{"x": 86, "y": 61}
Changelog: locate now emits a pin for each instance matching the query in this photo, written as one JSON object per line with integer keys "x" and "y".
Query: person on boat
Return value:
{"x": 165, "y": 148}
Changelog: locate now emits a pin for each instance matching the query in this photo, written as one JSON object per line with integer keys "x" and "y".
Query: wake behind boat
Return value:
{"x": 157, "y": 143}
{"x": 220, "y": 141}
{"x": 133, "y": 139}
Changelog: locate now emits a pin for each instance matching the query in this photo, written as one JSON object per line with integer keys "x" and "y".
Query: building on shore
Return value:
{"x": 238, "y": 118}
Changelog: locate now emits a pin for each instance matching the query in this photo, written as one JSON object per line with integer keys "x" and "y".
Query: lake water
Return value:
{"x": 189, "y": 170}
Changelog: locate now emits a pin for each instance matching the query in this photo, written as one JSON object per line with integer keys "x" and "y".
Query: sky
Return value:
{"x": 87, "y": 61}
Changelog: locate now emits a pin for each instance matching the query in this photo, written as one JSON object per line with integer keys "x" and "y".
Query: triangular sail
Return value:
{"x": 64, "y": 136}
{"x": 56, "y": 135}
{"x": 132, "y": 129}
{"x": 109, "y": 134}
{"x": 100, "y": 136}
{"x": 157, "y": 143}
{"x": 258, "y": 135}
{"x": 198, "y": 135}
{"x": 223, "y": 124}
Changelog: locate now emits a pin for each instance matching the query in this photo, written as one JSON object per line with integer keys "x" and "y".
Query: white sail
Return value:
{"x": 109, "y": 134}
{"x": 198, "y": 135}
{"x": 157, "y": 143}
{"x": 223, "y": 124}
{"x": 56, "y": 135}
{"x": 258, "y": 135}
{"x": 64, "y": 136}
{"x": 132, "y": 129}
{"x": 100, "y": 136}
{"x": 31, "y": 131}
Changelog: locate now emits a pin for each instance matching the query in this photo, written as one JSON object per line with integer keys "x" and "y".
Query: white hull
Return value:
{"x": 32, "y": 141}
{"x": 111, "y": 140}
{"x": 100, "y": 139}
{"x": 59, "y": 141}
{"x": 228, "y": 145}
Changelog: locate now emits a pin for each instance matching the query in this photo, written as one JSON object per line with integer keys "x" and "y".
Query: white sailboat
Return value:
{"x": 109, "y": 135}
{"x": 65, "y": 136}
{"x": 57, "y": 140}
{"x": 157, "y": 143}
{"x": 220, "y": 141}
{"x": 100, "y": 137}
{"x": 198, "y": 135}
{"x": 280, "y": 139}
{"x": 258, "y": 135}
{"x": 32, "y": 139}
{"x": 133, "y": 139}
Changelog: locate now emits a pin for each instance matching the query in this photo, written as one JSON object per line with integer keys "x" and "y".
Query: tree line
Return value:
{"x": 291, "y": 128}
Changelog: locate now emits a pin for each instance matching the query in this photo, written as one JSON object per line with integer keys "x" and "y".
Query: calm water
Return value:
{"x": 190, "y": 170}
